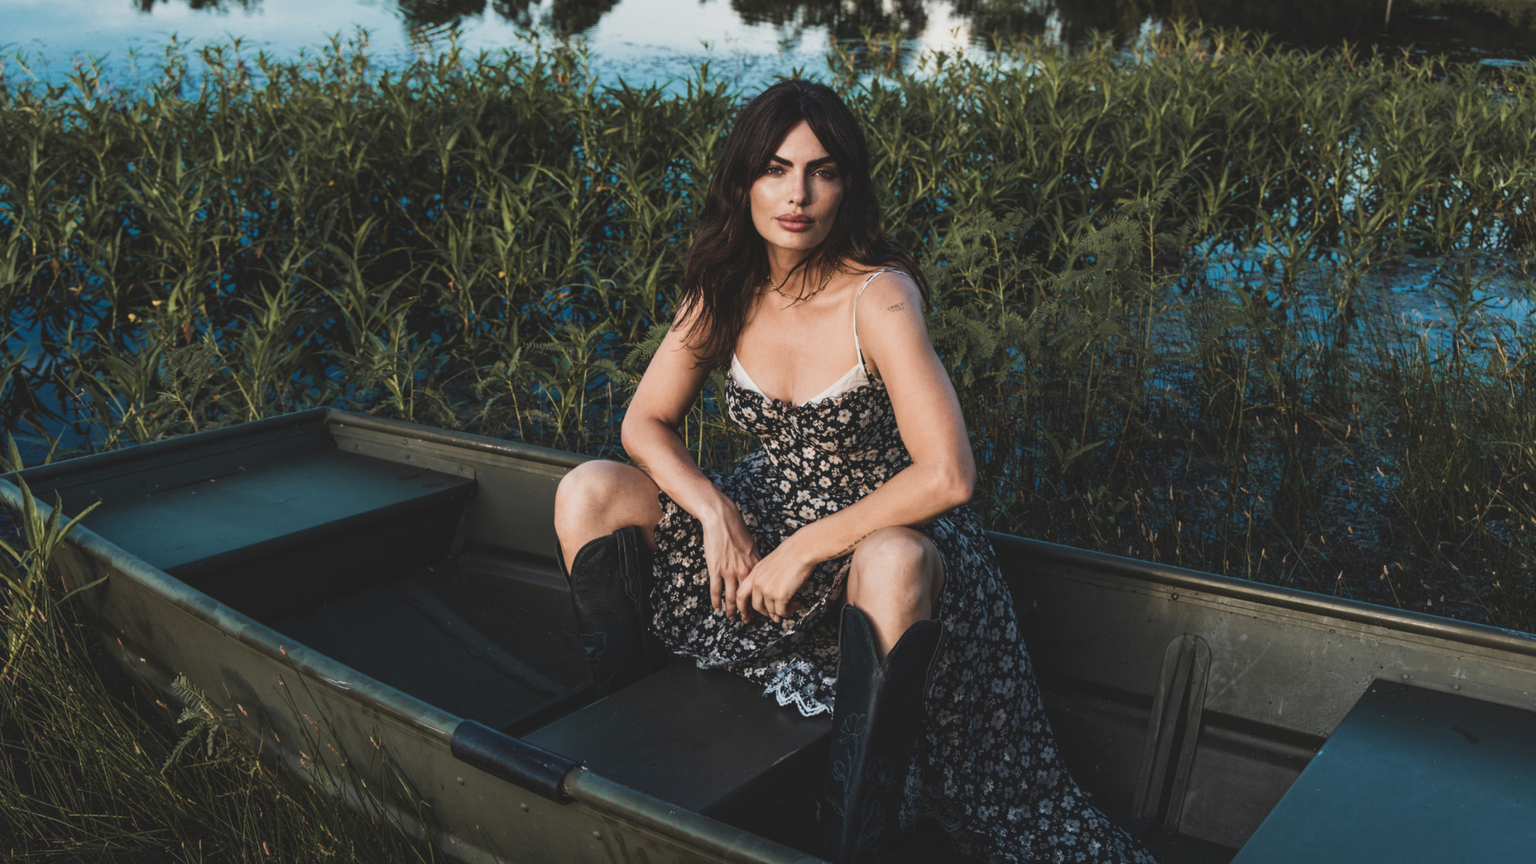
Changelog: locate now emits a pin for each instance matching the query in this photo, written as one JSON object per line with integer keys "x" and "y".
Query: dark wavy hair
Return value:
{"x": 728, "y": 261}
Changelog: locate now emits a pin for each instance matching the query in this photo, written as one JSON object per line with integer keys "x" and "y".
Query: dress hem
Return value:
{"x": 808, "y": 707}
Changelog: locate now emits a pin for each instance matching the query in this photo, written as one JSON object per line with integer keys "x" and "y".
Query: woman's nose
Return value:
{"x": 798, "y": 190}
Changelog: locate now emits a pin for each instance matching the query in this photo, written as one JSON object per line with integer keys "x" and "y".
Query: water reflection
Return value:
{"x": 577, "y": 16}
{"x": 563, "y": 16}
{"x": 519, "y": 12}
{"x": 431, "y": 14}
{"x": 198, "y": 5}
{"x": 1465, "y": 29}
{"x": 147, "y": 6}
{"x": 1468, "y": 29}
{"x": 844, "y": 20}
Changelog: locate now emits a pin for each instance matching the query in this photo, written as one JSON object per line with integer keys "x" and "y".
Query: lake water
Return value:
{"x": 654, "y": 40}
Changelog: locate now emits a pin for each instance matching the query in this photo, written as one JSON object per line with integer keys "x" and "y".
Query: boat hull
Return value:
{"x": 159, "y": 627}
{"x": 1187, "y": 703}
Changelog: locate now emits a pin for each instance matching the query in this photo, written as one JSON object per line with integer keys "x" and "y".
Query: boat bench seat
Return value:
{"x": 1410, "y": 774}
{"x": 705, "y": 740}
{"x": 281, "y": 534}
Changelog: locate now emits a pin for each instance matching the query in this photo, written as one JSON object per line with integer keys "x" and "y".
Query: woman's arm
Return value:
{"x": 667, "y": 390}
{"x": 943, "y": 471}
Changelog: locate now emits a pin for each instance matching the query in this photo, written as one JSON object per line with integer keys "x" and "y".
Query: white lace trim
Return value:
{"x": 786, "y": 690}
{"x": 852, "y": 380}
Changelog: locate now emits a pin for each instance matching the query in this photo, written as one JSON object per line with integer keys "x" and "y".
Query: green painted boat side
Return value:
{"x": 1185, "y": 702}
{"x": 160, "y": 627}
{"x": 1281, "y": 669}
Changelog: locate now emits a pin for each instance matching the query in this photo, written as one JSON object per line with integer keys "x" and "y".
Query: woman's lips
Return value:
{"x": 795, "y": 223}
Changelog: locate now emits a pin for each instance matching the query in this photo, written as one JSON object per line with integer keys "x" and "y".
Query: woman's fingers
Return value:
{"x": 731, "y": 556}
{"x": 744, "y": 597}
{"x": 731, "y": 586}
{"x": 769, "y": 607}
{"x": 740, "y": 593}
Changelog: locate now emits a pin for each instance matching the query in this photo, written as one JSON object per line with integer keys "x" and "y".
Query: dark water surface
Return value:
{"x": 650, "y": 40}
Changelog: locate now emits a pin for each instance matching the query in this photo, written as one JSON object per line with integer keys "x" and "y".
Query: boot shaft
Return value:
{"x": 876, "y": 720}
{"x": 610, "y": 579}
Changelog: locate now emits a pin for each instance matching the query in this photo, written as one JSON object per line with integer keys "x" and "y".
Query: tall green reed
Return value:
{"x": 1165, "y": 282}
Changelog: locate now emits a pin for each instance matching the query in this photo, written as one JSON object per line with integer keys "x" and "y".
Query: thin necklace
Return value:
{"x": 796, "y": 297}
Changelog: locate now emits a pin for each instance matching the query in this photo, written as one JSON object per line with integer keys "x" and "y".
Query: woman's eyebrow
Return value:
{"x": 810, "y": 166}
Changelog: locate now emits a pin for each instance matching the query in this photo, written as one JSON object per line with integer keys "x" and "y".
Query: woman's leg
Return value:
{"x": 598, "y": 498}
{"x": 895, "y": 580}
{"x": 886, "y": 651}
{"x": 605, "y": 517}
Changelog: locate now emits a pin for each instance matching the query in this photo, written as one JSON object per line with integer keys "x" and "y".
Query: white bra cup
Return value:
{"x": 853, "y": 379}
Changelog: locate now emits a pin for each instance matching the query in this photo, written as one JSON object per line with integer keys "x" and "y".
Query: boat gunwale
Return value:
{"x": 1264, "y": 594}
{"x": 326, "y": 417}
{"x": 54, "y": 471}
{"x": 466, "y": 440}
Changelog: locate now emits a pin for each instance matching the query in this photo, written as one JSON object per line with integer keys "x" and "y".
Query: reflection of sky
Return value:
{"x": 649, "y": 40}
{"x": 640, "y": 39}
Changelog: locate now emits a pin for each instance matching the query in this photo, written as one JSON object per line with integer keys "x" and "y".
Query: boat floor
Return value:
{"x": 455, "y": 637}
{"x": 476, "y": 637}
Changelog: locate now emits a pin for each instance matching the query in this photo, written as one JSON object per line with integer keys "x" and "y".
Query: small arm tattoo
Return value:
{"x": 896, "y": 308}
{"x": 849, "y": 548}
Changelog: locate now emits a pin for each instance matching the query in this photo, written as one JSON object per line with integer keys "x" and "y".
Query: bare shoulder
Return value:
{"x": 688, "y": 333}
{"x": 685, "y": 317}
{"x": 890, "y": 293}
{"x": 891, "y": 328}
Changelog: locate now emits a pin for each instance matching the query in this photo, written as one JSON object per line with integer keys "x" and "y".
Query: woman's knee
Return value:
{"x": 897, "y": 565}
{"x": 599, "y": 497}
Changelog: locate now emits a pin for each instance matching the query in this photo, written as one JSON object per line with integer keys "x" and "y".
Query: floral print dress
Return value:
{"x": 986, "y": 765}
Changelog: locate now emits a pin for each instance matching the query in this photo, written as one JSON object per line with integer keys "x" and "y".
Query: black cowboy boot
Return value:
{"x": 875, "y": 721}
{"x": 610, "y": 582}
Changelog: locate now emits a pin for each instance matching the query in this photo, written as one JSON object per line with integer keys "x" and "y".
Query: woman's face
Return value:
{"x": 795, "y": 201}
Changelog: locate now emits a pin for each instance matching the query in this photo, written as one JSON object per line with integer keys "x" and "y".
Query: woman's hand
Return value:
{"x": 771, "y": 586}
{"x": 730, "y": 553}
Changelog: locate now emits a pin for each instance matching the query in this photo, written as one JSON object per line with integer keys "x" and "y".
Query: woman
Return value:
{"x": 856, "y": 496}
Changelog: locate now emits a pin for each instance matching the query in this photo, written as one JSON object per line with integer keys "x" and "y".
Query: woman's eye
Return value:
{"x": 775, "y": 170}
{"x": 827, "y": 174}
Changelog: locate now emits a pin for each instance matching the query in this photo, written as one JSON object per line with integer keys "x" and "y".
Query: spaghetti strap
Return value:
{"x": 856, "y": 348}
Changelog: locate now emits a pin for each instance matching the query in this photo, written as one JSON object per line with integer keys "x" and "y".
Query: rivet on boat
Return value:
{"x": 460, "y": 779}
{"x": 525, "y": 808}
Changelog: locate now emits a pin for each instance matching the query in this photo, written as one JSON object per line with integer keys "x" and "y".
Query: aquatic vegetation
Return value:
{"x": 1177, "y": 288}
